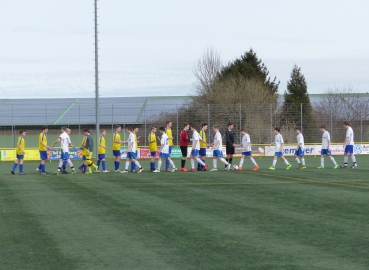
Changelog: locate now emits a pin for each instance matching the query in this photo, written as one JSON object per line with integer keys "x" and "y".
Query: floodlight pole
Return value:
{"x": 97, "y": 81}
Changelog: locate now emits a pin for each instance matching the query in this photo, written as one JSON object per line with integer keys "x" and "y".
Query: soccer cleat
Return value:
{"x": 256, "y": 168}
{"x": 271, "y": 168}
{"x": 353, "y": 167}
{"x": 65, "y": 172}
{"x": 43, "y": 173}
{"x": 206, "y": 167}
{"x": 335, "y": 166}
{"x": 140, "y": 170}
{"x": 289, "y": 167}
{"x": 322, "y": 167}
{"x": 239, "y": 169}
{"x": 81, "y": 169}
{"x": 303, "y": 167}
{"x": 193, "y": 170}
{"x": 300, "y": 165}
{"x": 57, "y": 172}
{"x": 199, "y": 169}
{"x": 133, "y": 170}
{"x": 155, "y": 171}
{"x": 73, "y": 171}
{"x": 106, "y": 171}
{"x": 22, "y": 173}
{"x": 37, "y": 169}
{"x": 173, "y": 170}
{"x": 125, "y": 171}
{"x": 183, "y": 170}
{"x": 213, "y": 170}
{"x": 12, "y": 172}
{"x": 168, "y": 170}
{"x": 116, "y": 171}
{"x": 228, "y": 167}
{"x": 344, "y": 166}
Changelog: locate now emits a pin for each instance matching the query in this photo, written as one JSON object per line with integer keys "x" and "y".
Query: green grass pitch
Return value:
{"x": 296, "y": 219}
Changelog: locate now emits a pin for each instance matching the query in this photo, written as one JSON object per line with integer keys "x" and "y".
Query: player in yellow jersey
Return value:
{"x": 116, "y": 147}
{"x": 101, "y": 152}
{"x": 153, "y": 147}
{"x": 203, "y": 145}
{"x": 168, "y": 131}
{"x": 87, "y": 150}
{"x": 20, "y": 151}
{"x": 43, "y": 148}
{"x": 135, "y": 130}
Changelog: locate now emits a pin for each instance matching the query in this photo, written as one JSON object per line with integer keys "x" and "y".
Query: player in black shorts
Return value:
{"x": 230, "y": 145}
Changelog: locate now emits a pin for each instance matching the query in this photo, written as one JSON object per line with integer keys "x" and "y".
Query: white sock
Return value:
{"x": 322, "y": 161}
{"x": 253, "y": 161}
{"x": 192, "y": 163}
{"x": 200, "y": 161}
{"x": 60, "y": 163}
{"x": 274, "y": 162}
{"x": 159, "y": 164}
{"x": 138, "y": 164}
{"x": 334, "y": 161}
{"x": 298, "y": 161}
{"x": 70, "y": 163}
{"x": 286, "y": 162}
{"x": 214, "y": 163}
{"x": 345, "y": 159}
{"x": 241, "y": 162}
{"x": 127, "y": 165}
{"x": 353, "y": 158}
{"x": 224, "y": 161}
{"x": 303, "y": 161}
{"x": 172, "y": 164}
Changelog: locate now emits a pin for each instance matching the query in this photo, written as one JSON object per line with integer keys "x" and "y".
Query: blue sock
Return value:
{"x": 133, "y": 166}
{"x": 103, "y": 165}
{"x": 115, "y": 165}
{"x": 85, "y": 168}
{"x": 20, "y": 168}
{"x": 14, "y": 166}
{"x": 98, "y": 164}
{"x": 166, "y": 164}
{"x": 42, "y": 167}
{"x": 151, "y": 166}
{"x": 203, "y": 160}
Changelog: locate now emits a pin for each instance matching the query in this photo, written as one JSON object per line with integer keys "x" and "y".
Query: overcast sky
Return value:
{"x": 151, "y": 47}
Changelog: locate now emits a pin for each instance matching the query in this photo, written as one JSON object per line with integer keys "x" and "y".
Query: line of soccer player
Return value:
{"x": 198, "y": 150}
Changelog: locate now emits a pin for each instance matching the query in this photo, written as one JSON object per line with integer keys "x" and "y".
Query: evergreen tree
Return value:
{"x": 296, "y": 100}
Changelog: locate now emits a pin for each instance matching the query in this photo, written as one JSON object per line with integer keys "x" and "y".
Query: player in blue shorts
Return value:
{"x": 348, "y": 145}
{"x": 131, "y": 151}
{"x": 326, "y": 148}
{"x": 299, "y": 152}
{"x": 20, "y": 152}
{"x": 153, "y": 147}
{"x": 278, "y": 142}
{"x": 196, "y": 149}
{"x": 247, "y": 151}
{"x": 164, "y": 151}
{"x": 203, "y": 145}
{"x": 217, "y": 150}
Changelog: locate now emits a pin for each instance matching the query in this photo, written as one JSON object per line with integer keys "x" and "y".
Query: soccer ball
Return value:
{"x": 235, "y": 167}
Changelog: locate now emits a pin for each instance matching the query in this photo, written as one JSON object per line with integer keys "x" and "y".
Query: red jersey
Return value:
{"x": 183, "y": 138}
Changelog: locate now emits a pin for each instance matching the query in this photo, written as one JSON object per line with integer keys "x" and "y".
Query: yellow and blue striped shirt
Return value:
{"x": 22, "y": 144}
{"x": 42, "y": 138}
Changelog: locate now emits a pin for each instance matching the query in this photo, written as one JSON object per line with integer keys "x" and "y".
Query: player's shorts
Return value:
{"x": 229, "y": 150}
{"x": 131, "y": 155}
{"x": 247, "y": 154}
{"x": 164, "y": 155}
{"x": 195, "y": 153}
{"x": 43, "y": 155}
{"x": 116, "y": 153}
{"x": 299, "y": 152}
{"x": 20, "y": 156}
{"x": 278, "y": 154}
{"x": 64, "y": 155}
{"x": 325, "y": 152}
{"x": 153, "y": 154}
{"x": 89, "y": 156}
{"x": 184, "y": 150}
{"x": 349, "y": 149}
{"x": 202, "y": 152}
{"x": 170, "y": 149}
{"x": 217, "y": 153}
{"x": 101, "y": 156}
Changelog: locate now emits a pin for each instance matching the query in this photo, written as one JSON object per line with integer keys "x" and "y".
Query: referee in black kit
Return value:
{"x": 230, "y": 145}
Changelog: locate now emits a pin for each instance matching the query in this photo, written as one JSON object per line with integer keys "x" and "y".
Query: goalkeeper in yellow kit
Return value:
{"x": 87, "y": 148}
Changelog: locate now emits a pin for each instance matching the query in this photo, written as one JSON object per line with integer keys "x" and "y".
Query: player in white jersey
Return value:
{"x": 164, "y": 151}
{"x": 131, "y": 151}
{"x": 65, "y": 142}
{"x": 326, "y": 148}
{"x": 278, "y": 142}
{"x": 299, "y": 152}
{"x": 217, "y": 150}
{"x": 196, "y": 149}
{"x": 348, "y": 145}
{"x": 246, "y": 150}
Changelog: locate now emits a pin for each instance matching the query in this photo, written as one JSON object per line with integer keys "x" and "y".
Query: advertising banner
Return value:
{"x": 74, "y": 154}
{"x": 310, "y": 150}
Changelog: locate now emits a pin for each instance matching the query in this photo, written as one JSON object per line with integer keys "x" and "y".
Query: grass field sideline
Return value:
{"x": 296, "y": 219}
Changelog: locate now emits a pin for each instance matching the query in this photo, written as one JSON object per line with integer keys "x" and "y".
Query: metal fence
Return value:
{"x": 258, "y": 119}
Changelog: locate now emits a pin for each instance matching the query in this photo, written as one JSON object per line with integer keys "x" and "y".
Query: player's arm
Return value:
{"x": 273, "y": 143}
{"x": 20, "y": 148}
{"x": 194, "y": 145}
{"x": 103, "y": 146}
{"x": 43, "y": 144}
{"x": 329, "y": 145}
{"x": 216, "y": 143}
{"x": 247, "y": 146}
{"x": 57, "y": 141}
{"x": 345, "y": 142}
{"x": 281, "y": 150}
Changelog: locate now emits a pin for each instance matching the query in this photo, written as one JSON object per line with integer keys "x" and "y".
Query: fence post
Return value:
{"x": 301, "y": 117}
{"x": 46, "y": 114}
{"x": 79, "y": 122}
{"x": 177, "y": 124}
{"x": 361, "y": 126}
{"x": 331, "y": 126}
{"x": 144, "y": 112}
{"x": 112, "y": 118}
{"x": 13, "y": 128}
{"x": 209, "y": 122}
{"x": 240, "y": 122}
{"x": 271, "y": 122}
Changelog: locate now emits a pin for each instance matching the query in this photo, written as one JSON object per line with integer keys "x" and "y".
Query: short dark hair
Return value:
{"x": 322, "y": 126}
{"x": 204, "y": 124}
{"x": 162, "y": 128}
{"x": 185, "y": 124}
{"x": 129, "y": 128}
{"x": 64, "y": 128}
{"x": 346, "y": 123}
{"x": 153, "y": 127}
{"x": 21, "y": 131}
{"x": 230, "y": 124}
{"x": 297, "y": 129}
{"x": 87, "y": 130}
{"x": 216, "y": 126}
{"x": 193, "y": 126}
{"x": 117, "y": 126}
{"x": 134, "y": 127}
{"x": 242, "y": 129}
{"x": 168, "y": 122}
{"x": 277, "y": 129}
{"x": 44, "y": 127}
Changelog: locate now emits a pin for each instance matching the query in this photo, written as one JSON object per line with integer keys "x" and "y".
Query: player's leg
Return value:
{"x": 334, "y": 161}
{"x": 127, "y": 163}
{"x": 133, "y": 165}
{"x": 256, "y": 167}
{"x": 152, "y": 161}
{"x": 353, "y": 158}
{"x": 345, "y": 157}
{"x": 321, "y": 161}
{"x": 60, "y": 165}
{"x": 43, "y": 156}
{"x": 172, "y": 164}
{"x": 117, "y": 156}
{"x": 98, "y": 163}
{"x": 274, "y": 162}
{"x": 166, "y": 161}
{"x": 298, "y": 160}
{"x": 21, "y": 165}
{"x": 193, "y": 158}
{"x": 71, "y": 165}
{"x": 159, "y": 165}
{"x": 184, "y": 158}
{"x": 137, "y": 164}
{"x": 15, "y": 165}
{"x": 286, "y": 162}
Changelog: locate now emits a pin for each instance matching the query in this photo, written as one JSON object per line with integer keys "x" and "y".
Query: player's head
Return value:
{"x": 216, "y": 128}
{"x": 243, "y": 131}
{"x": 169, "y": 124}
{"x": 192, "y": 127}
{"x": 346, "y": 124}
{"x": 297, "y": 130}
{"x": 322, "y": 128}
{"x": 135, "y": 129}
{"x": 186, "y": 126}
{"x": 129, "y": 129}
{"x": 68, "y": 131}
{"x": 22, "y": 132}
{"x": 204, "y": 126}
{"x": 230, "y": 125}
{"x": 86, "y": 131}
{"x": 103, "y": 132}
{"x": 45, "y": 129}
{"x": 277, "y": 130}
{"x": 153, "y": 129}
{"x": 162, "y": 130}
{"x": 118, "y": 128}
{"x": 64, "y": 129}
